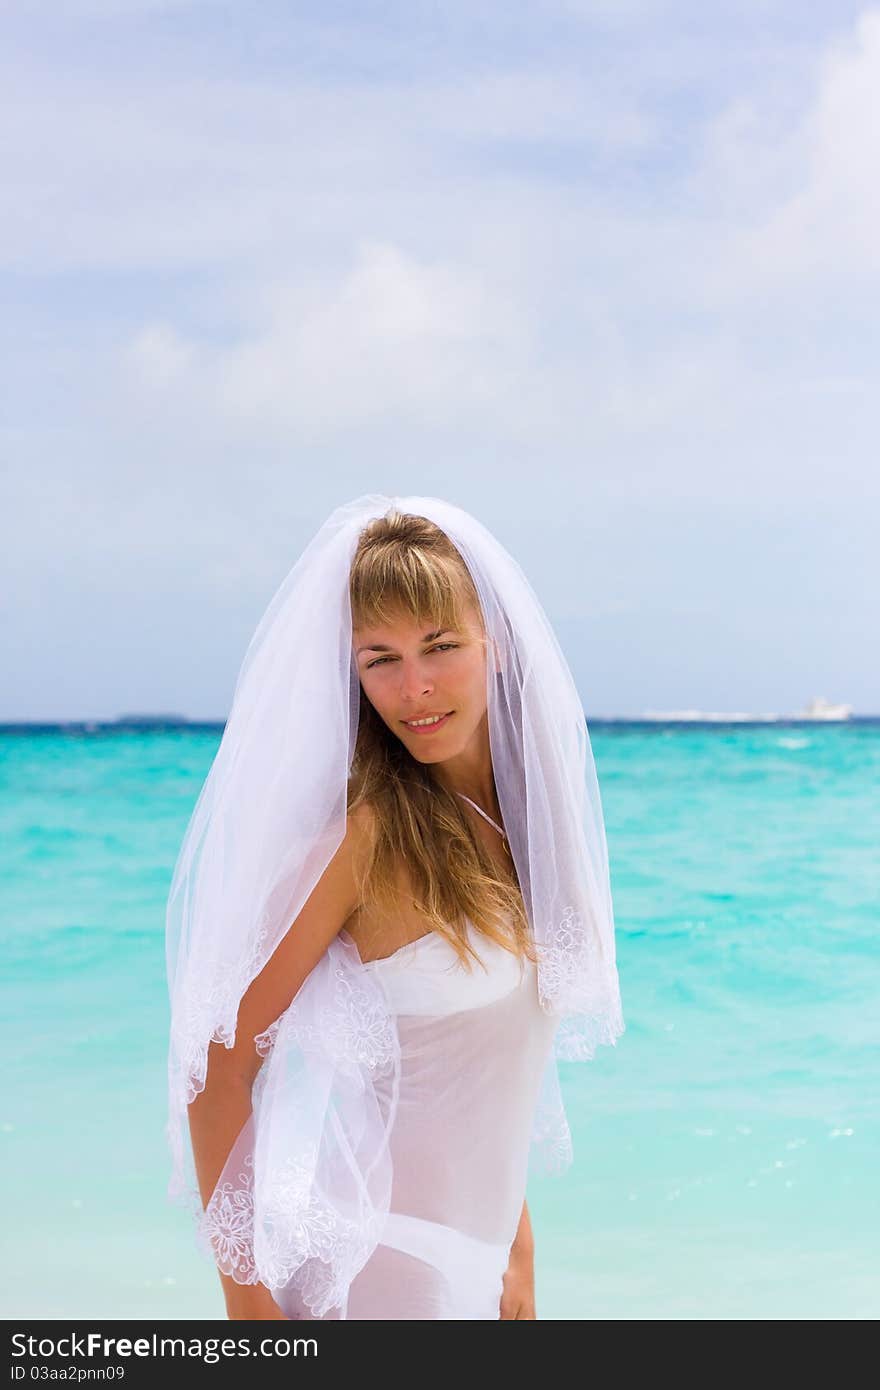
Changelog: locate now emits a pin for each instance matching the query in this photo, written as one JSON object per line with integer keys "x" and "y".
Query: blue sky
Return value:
{"x": 605, "y": 274}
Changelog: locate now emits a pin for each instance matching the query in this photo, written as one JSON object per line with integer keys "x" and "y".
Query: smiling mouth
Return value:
{"x": 429, "y": 728}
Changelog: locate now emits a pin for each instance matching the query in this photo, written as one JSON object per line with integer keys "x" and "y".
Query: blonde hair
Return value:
{"x": 407, "y": 567}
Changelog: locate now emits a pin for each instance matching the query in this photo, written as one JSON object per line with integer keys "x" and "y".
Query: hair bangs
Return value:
{"x": 407, "y": 568}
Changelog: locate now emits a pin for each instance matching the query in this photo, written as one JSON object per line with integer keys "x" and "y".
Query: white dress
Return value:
{"x": 474, "y": 1046}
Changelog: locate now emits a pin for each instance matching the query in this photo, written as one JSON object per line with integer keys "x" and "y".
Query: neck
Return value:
{"x": 470, "y": 773}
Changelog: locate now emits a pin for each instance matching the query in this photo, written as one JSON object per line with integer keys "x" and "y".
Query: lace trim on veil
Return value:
{"x": 281, "y": 1213}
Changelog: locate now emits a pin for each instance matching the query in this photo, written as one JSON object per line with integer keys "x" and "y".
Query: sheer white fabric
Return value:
{"x": 459, "y": 1060}
{"x": 310, "y": 1184}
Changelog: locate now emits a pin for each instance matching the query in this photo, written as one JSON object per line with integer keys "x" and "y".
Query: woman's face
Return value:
{"x": 411, "y": 671}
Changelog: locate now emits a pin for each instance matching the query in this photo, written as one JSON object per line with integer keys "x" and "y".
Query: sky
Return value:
{"x": 607, "y": 275}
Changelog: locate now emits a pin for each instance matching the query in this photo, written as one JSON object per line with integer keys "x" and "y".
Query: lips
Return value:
{"x": 429, "y": 728}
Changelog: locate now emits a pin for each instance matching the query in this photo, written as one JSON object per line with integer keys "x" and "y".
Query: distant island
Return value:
{"x": 818, "y": 709}
{"x": 150, "y": 719}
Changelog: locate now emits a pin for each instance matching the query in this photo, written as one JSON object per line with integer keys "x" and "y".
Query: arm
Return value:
{"x": 220, "y": 1111}
{"x": 518, "y": 1296}
{"x": 216, "y": 1117}
{"x": 524, "y": 1240}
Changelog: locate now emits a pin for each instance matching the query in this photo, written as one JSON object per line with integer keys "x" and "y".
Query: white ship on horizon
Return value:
{"x": 820, "y": 708}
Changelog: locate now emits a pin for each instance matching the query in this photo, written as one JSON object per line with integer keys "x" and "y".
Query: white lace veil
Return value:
{"x": 306, "y": 1186}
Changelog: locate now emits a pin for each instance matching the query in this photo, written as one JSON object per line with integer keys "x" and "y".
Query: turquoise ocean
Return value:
{"x": 726, "y": 1150}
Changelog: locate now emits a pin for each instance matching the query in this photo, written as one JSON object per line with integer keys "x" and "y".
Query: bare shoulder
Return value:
{"x": 325, "y": 912}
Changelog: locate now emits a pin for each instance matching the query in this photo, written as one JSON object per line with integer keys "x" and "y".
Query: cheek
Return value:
{"x": 371, "y": 693}
{"x": 470, "y": 686}
{"x": 383, "y": 703}
{"x": 375, "y": 697}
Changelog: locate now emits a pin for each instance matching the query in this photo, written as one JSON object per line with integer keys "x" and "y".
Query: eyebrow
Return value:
{"x": 428, "y": 637}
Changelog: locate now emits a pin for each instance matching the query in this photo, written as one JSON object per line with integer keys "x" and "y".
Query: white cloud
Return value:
{"x": 806, "y": 200}
{"x": 391, "y": 334}
{"x": 627, "y": 293}
{"x": 542, "y": 313}
{"x": 831, "y": 227}
{"x": 160, "y": 356}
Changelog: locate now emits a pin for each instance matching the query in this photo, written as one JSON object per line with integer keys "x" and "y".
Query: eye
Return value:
{"x": 440, "y": 646}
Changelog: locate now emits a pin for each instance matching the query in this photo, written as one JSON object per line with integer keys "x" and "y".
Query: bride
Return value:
{"x": 390, "y": 917}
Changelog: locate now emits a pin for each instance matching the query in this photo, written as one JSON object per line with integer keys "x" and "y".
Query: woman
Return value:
{"x": 391, "y": 902}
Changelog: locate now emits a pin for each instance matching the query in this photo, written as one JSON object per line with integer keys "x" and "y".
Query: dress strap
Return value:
{"x": 500, "y": 828}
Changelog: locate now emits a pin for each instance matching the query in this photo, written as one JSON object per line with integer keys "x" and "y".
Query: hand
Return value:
{"x": 518, "y": 1295}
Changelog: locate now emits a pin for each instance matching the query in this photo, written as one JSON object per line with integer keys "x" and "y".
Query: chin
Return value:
{"x": 437, "y": 757}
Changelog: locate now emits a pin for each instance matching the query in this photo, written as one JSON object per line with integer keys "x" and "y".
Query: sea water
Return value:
{"x": 726, "y": 1149}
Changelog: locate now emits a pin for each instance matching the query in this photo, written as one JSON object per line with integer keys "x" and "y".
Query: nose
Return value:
{"x": 415, "y": 683}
